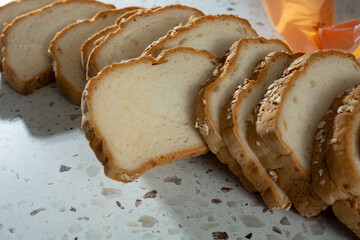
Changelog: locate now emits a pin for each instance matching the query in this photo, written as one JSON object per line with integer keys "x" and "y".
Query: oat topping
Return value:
{"x": 204, "y": 129}
{"x": 322, "y": 182}
{"x": 258, "y": 143}
{"x": 321, "y": 134}
{"x": 340, "y": 109}
{"x": 350, "y": 108}
{"x": 320, "y": 172}
{"x": 332, "y": 141}
{"x": 273, "y": 175}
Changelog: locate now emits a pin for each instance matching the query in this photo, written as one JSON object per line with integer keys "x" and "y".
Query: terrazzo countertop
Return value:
{"x": 53, "y": 187}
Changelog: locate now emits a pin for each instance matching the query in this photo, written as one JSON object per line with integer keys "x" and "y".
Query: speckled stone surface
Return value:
{"x": 52, "y": 186}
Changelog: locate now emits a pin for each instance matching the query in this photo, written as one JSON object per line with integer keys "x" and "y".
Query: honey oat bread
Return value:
{"x": 136, "y": 33}
{"x": 238, "y": 128}
{"x": 200, "y": 34}
{"x": 98, "y": 37}
{"x": 14, "y": 9}
{"x": 309, "y": 85}
{"x": 65, "y": 49}
{"x": 26, "y": 63}
{"x": 138, "y": 114}
{"x": 240, "y": 62}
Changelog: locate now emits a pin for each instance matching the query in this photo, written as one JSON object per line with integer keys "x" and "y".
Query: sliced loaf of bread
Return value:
{"x": 240, "y": 62}
{"x": 27, "y": 65}
{"x": 65, "y": 50}
{"x": 289, "y": 116}
{"x": 136, "y": 33}
{"x": 98, "y": 37}
{"x": 214, "y": 33}
{"x": 14, "y": 9}
{"x": 139, "y": 114}
{"x": 238, "y": 128}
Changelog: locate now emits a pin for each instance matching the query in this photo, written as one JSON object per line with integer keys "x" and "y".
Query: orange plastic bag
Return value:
{"x": 307, "y": 26}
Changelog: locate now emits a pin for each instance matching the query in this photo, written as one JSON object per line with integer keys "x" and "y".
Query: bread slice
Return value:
{"x": 240, "y": 62}
{"x": 139, "y": 114}
{"x": 65, "y": 51}
{"x": 200, "y": 33}
{"x": 308, "y": 85}
{"x": 238, "y": 128}
{"x": 136, "y": 33}
{"x": 26, "y": 63}
{"x": 14, "y": 9}
{"x": 99, "y": 37}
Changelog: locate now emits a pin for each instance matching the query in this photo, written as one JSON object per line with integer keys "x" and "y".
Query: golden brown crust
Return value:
{"x": 62, "y": 83}
{"x": 92, "y": 68}
{"x": 156, "y": 47}
{"x": 348, "y": 212}
{"x": 343, "y": 158}
{"x": 46, "y": 76}
{"x": 293, "y": 178}
{"x": 95, "y": 39}
{"x": 322, "y": 182}
{"x": 229, "y": 125}
{"x": 98, "y": 142}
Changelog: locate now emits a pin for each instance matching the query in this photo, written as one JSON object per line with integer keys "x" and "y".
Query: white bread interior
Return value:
{"x": 141, "y": 111}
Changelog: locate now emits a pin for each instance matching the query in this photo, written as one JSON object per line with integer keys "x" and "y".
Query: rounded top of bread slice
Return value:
{"x": 294, "y": 104}
{"x": 240, "y": 62}
{"x": 214, "y": 33}
{"x": 70, "y": 76}
{"x": 27, "y": 38}
{"x": 136, "y": 33}
{"x": 141, "y": 111}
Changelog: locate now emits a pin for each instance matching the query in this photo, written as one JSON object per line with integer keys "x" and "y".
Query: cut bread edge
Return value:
{"x": 348, "y": 212}
{"x": 97, "y": 142}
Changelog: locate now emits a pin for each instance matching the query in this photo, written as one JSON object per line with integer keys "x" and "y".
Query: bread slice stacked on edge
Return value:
{"x": 238, "y": 127}
{"x": 335, "y": 165}
{"x": 214, "y": 33}
{"x": 309, "y": 85}
{"x": 240, "y": 62}
{"x": 136, "y": 33}
{"x": 139, "y": 114}
{"x": 26, "y": 63}
{"x": 65, "y": 50}
{"x": 14, "y": 9}
{"x": 96, "y": 39}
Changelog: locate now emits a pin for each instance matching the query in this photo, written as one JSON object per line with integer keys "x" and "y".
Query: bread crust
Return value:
{"x": 98, "y": 142}
{"x": 46, "y": 76}
{"x": 97, "y": 38}
{"x": 322, "y": 182}
{"x": 348, "y": 212}
{"x": 156, "y": 47}
{"x": 62, "y": 83}
{"x": 293, "y": 178}
{"x": 92, "y": 68}
{"x": 261, "y": 180}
